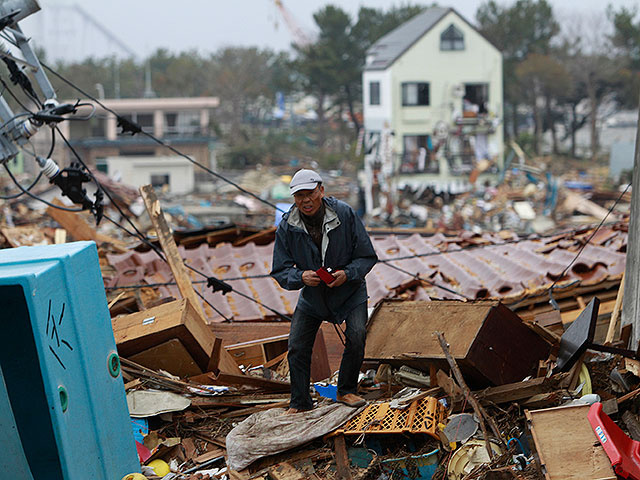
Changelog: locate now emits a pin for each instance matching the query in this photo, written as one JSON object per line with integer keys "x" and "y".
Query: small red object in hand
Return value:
{"x": 326, "y": 275}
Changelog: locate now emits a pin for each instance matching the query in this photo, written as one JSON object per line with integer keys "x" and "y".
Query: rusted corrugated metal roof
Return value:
{"x": 494, "y": 266}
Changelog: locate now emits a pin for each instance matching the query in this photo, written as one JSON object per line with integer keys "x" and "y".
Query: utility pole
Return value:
{"x": 631, "y": 300}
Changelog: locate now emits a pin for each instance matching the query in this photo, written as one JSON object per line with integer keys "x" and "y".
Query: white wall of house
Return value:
{"x": 376, "y": 116}
{"x": 138, "y": 171}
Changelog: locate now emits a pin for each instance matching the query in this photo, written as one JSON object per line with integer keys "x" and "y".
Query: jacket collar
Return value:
{"x": 330, "y": 216}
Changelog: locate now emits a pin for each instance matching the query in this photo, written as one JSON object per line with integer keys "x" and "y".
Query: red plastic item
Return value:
{"x": 623, "y": 452}
{"x": 325, "y": 275}
{"x": 143, "y": 452}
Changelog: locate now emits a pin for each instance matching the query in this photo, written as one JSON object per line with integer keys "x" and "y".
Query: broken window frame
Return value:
{"x": 410, "y": 156}
{"x": 159, "y": 180}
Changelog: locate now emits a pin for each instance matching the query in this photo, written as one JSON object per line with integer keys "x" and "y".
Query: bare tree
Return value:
{"x": 592, "y": 62}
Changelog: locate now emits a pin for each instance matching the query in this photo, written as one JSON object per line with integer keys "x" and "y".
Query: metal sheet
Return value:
{"x": 497, "y": 266}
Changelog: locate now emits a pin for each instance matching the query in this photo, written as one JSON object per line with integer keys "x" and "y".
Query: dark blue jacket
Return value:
{"x": 349, "y": 248}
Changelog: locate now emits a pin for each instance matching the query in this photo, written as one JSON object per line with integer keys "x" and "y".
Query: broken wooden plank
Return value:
{"x": 284, "y": 471}
{"x": 631, "y": 422}
{"x": 567, "y": 446}
{"x": 242, "y": 380}
{"x": 613, "y": 321}
{"x": 79, "y": 228}
{"x": 544, "y": 332}
{"x": 543, "y": 400}
{"x": 342, "y": 458}
{"x": 264, "y": 236}
{"x": 210, "y": 455}
{"x": 480, "y": 412}
{"x": 169, "y": 247}
{"x": 24, "y": 236}
{"x": 629, "y": 396}
{"x": 513, "y": 392}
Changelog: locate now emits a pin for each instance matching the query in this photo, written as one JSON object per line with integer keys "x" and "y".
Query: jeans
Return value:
{"x": 302, "y": 336}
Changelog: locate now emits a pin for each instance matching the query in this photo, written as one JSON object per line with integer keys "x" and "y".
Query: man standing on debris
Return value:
{"x": 317, "y": 233}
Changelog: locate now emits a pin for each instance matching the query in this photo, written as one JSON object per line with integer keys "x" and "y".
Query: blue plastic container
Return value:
{"x": 63, "y": 412}
{"x": 327, "y": 391}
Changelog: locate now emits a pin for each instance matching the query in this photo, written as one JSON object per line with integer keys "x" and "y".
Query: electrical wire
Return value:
{"x": 140, "y": 234}
{"x": 551, "y": 299}
{"x": 35, "y": 197}
{"x": 38, "y": 177}
{"x": 138, "y": 129}
{"x": 134, "y": 128}
{"x": 103, "y": 188}
{"x": 22, "y": 192}
{"x": 22, "y": 105}
{"x": 281, "y": 315}
{"x": 430, "y": 282}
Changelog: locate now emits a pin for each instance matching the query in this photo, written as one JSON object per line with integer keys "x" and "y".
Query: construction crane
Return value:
{"x": 300, "y": 38}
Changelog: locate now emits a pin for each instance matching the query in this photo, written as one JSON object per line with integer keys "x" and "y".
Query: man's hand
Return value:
{"x": 341, "y": 277}
{"x": 311, "y": 278}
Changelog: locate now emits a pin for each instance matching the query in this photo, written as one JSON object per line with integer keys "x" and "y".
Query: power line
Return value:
{"x": 551, "y": 299}
{"x": 133, "y": 128}
{"x": 418, "y": 277}
{"x": 35, "y": 197}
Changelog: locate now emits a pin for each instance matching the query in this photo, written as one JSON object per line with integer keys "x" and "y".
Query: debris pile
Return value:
{"x": 461, "y": 400}
{"x": 469, "y": 371}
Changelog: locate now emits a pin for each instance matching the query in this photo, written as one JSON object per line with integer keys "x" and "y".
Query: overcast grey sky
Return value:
{"x": 205, "y": 25}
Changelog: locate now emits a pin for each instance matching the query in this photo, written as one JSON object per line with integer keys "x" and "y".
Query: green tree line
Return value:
{"x": 549, "y": 67}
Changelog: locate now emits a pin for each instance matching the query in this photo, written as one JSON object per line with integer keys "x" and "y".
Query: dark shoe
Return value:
{"x": 293, "y": 411}
{"x": 351, "y": 400}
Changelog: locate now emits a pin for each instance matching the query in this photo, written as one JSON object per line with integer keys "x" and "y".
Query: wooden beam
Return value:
{"x": 269, "y": 232}
{"x": 513, "y": 392}
{"x": 169, "y": 247}
{"x": 616, "y": 313}
{"x": 284, "y": 471}
{"x": 79, "y": 228}
{"x": 605, "y": 308}
{"x": 342, "y": 458}
{"x": 480, "y": 412}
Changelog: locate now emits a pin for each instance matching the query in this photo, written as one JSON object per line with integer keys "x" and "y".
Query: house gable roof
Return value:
{"x": 391, "y": 46}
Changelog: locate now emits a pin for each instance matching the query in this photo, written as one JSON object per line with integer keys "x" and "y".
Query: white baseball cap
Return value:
{"x": 304, "y": 180}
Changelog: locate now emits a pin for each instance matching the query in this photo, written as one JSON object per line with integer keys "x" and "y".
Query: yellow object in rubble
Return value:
{"x": 134, "y": 476}
{"x": 160, "y": 467}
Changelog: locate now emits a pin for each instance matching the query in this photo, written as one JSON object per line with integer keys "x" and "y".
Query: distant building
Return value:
{"x": 433, "y": 104}
{"x": 172, "y": 173}
{"x": 181, "y": 122}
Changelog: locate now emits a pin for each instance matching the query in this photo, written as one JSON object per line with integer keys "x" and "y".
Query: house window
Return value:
{"x": 374, "y": 93}
{"x": 415, "y": 94}
{"x": 145, "y": 120}
{"x": 418, "y": 155}
{"x": 476, "y": 97}
{"x": 159, "y": 180}
{"x": 451, "y": 39}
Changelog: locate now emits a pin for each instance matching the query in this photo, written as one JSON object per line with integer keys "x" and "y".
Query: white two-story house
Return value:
{"x": 433, "y": 105}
